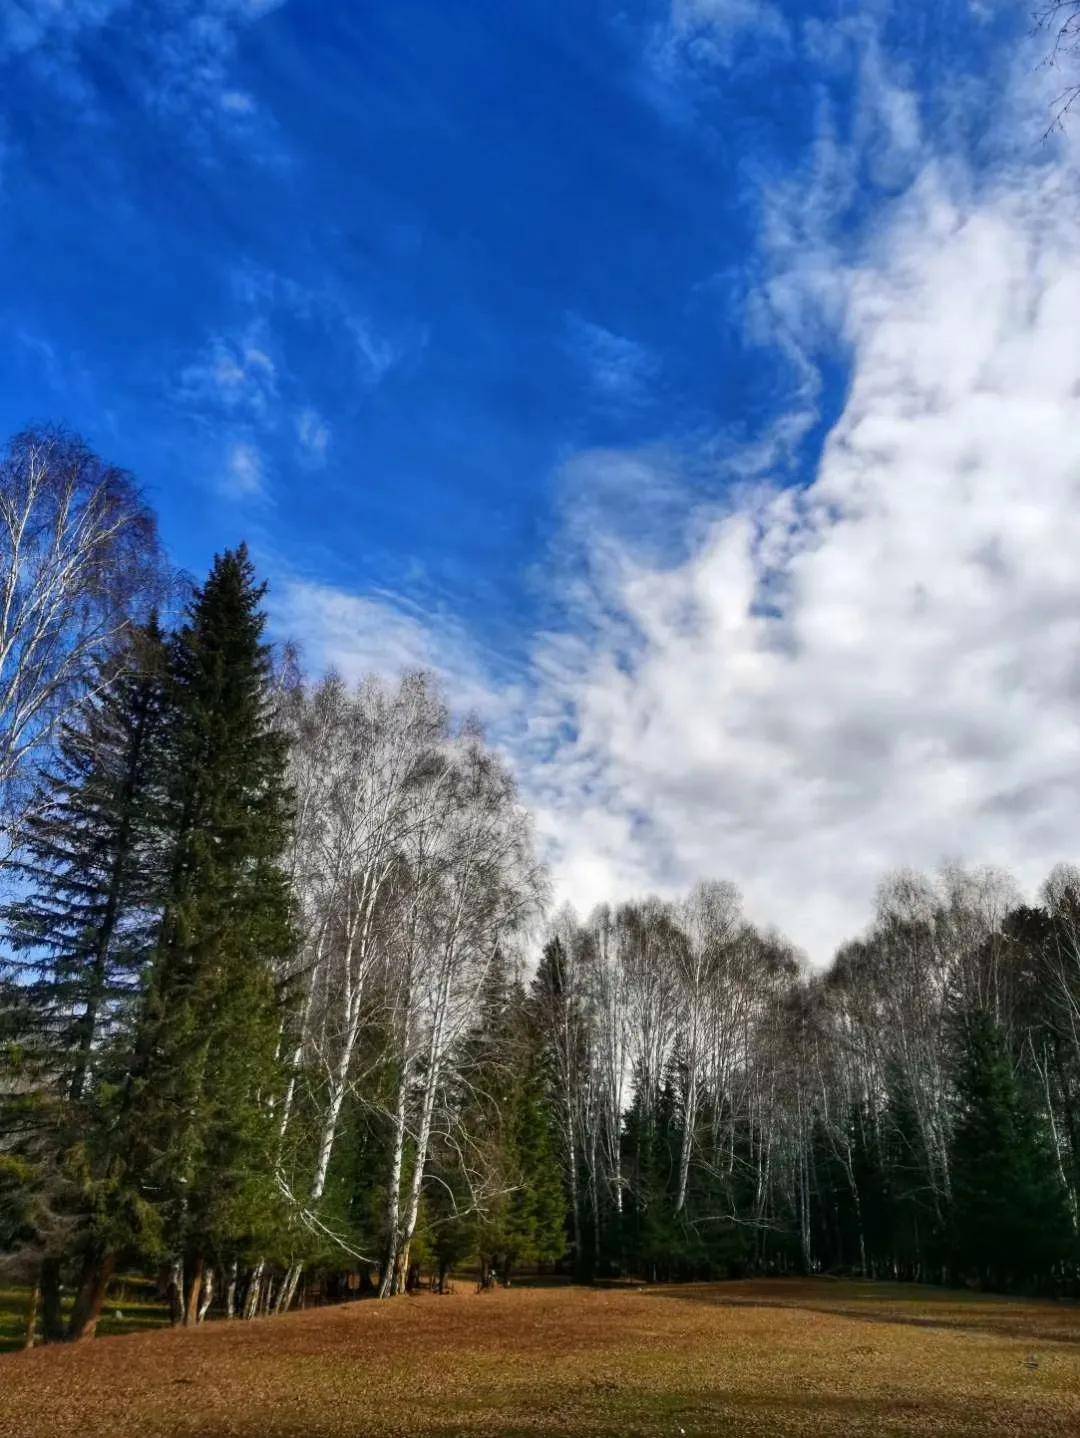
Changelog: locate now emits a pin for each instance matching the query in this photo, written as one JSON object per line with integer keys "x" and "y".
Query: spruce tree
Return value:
{"x": 199, "y": 1099}
{"x": 511, "y": 1122}
{"x": 1010, "y": 1222}
{"x": 79, "y": 933}
{"x": 81, "y": 928}
{"x": 534, "y": 1221}
{"x": 654, "y": 1235}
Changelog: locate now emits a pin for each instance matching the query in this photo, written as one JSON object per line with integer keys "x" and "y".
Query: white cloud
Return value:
{"x": 232, "y": 374}
{"x": 809, "y": 687}
{"x": 387, "y": 634}
{"x": 244, "y": 476}
{"x": 707, "y": 31}
{"x": 313, "y": 434}
{"x": 882, "y": 669}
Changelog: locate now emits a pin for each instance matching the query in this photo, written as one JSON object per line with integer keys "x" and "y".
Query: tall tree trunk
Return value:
{"x": 689, "y": 1124}
{"x": 338, "y": 1083}
{"x": 571, "y": 1160}
{"x": 254, "y": 1290}
{"x": 230, "y": 1291}
{"x": 52, "y": 1323}
{"x": 30, "y": 1320}
{"x": 176, "y": 1292}
{"x": 194, "y": 1272}
{"x": 94, "y": 1285}
{"x": 288, "y": 1288}
{"x": 432, "y": 1078}
{"x": 207, "y": 1296}
{"x": 393, "y": 1194}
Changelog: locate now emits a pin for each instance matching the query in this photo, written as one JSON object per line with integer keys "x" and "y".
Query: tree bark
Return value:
{"x": 30, "y": 1323}
{"x": 52, "y": 1323}
{"x": 254, "y": 1288}
{"x": 288, "y": 1288}
{"x": 176, "y": 1293}
{"x": 193, "y": 1282}
{"x": 94, "y": 1285}
{"x": 207, "y": 1296}
{"x": 393, "y": 1199}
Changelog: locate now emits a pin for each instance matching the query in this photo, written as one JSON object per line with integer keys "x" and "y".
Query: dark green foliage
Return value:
{"x": 197, "y": 1104}
{"x": 1010, "y": 1223}
{"x": 521, "y": 1212}
{"x": 80, "y": 933}
{"x": 652, "y": 1238}
{"x": 82, "y": 929}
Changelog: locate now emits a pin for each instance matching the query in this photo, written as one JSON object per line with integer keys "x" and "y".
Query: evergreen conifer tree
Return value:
{"x": 81, "y": 928}
{"x": 80, "y": 932}
{"x": 198, "y": 1103}
{"x": 1010, "y": 1222}
{"x": 524, "y": 1222}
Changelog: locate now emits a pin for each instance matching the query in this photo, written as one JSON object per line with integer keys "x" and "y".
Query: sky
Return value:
{"x": 692, "y": 386}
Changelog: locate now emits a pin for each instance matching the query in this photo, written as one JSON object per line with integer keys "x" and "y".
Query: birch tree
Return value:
{"x": 79, "y": 562}
{"x": 478, "y": 884}
{"x": 364, "y": 768}
{"x": 708, "y": 920}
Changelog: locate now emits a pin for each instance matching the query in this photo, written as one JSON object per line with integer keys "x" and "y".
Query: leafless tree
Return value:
{"x": 479, "y": 884}
{"x": 1059, "y": 20}
{"x": 79, "y": 560}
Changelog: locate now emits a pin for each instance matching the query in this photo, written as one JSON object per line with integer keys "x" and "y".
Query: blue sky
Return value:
{"x": 489, "y": 326}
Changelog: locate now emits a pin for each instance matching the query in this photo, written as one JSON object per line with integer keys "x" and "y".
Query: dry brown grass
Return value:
{"x": 760, "y": 1359}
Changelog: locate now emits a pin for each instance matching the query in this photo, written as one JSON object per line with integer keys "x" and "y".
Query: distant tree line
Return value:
{"x": 911, "y": 1113}
{"x": 271, "y": 1022}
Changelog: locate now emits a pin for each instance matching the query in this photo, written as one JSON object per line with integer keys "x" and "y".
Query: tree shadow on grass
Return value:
{"x": 1007, "y": 1326}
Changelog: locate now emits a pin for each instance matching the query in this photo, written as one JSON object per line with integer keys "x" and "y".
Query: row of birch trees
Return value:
{"x": 911, "y": 1113}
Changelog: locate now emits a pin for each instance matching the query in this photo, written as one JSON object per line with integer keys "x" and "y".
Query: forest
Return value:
{"x": 287, "y": 1012}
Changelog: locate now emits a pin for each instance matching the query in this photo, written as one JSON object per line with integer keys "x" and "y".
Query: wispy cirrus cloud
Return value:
{"x": 234, "y": 374}
{"x": 182, "y": 57}
{"x": 244, "y": 472}
{"x": 386, "y": 633}
{"x": 313, "y": 435}
{"x": 230, "y": 393}
{"x": 374, "y": 348}
{"x": 619, "y": 370}
{"x": 241, "y": 388}
{"x": 27, "y": 24}
{"x": 697, "y": 38}
{"x": 376, "y": 353}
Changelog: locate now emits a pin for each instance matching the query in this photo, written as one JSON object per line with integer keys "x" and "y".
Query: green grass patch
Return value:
{"x": 132, "y": 1307}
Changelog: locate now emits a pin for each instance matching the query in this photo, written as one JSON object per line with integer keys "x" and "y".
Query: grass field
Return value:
{"x": 132, "y": 1308}
{"x": 771, "y": 1357}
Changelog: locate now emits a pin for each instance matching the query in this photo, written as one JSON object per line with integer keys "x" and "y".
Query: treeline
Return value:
{"x": 912, "y": 1113}
{"x": 278, "y": 1014}
{"x": 261, "y": 1009}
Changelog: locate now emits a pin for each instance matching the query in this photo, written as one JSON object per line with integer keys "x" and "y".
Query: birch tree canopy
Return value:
{"x": 79, "y": 562}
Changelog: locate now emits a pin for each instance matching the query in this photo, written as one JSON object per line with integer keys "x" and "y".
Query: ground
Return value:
{"x": 761, "y": 1359}
{"x": 132, "y": 1308}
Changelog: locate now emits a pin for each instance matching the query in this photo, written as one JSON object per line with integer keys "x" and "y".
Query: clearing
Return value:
{"x": 758, "y": 1359}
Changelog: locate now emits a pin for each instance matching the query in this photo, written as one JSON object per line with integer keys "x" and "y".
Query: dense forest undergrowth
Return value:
{"x": 284, "y": 1010}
